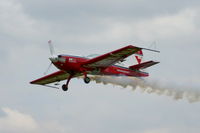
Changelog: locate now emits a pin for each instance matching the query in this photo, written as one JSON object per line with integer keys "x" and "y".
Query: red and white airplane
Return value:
{"x": 74, "y": 66}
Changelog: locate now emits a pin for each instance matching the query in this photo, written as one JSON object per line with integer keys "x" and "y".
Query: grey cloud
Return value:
{"x": 59, "y": 10}
{"x": 89, "y": 17}
{"x": 15, "y": 121}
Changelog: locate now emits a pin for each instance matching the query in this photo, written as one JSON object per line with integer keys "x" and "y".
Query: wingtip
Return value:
{"x": 151, "y": 50}
{"x": 156, "y": 62}
{"x": 32, "y": 82}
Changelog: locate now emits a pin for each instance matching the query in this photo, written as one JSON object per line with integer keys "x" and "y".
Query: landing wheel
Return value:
{"x": 87, "y": 80}
{"x": 64, "y": 87}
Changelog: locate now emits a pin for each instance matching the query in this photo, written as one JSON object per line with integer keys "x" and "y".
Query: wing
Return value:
{"x": 112, "y": 57}
{"x": 51, "y": 78}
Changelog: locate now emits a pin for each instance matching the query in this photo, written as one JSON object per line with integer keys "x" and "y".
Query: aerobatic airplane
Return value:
{"x": 75, "y": 66}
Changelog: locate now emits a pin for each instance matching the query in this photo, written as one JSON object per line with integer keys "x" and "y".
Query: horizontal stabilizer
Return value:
{"x": 143, "y": 65}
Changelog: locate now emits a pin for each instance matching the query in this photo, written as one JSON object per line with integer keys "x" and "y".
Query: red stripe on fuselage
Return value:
{"x": 118, "y": 70}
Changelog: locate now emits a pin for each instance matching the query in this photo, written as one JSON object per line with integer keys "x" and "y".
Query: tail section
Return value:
{"x": 138, "y": 56}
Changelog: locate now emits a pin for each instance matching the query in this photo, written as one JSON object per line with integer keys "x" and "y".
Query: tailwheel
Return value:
{"x": 87, "y": 80}
{"x": 64, "y": 87}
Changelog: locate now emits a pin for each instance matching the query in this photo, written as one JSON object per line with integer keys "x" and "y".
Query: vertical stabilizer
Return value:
{"x": 139, "y": 56}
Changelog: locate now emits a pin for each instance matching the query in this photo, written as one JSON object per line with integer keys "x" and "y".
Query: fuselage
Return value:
{"x": 74, "y": 64}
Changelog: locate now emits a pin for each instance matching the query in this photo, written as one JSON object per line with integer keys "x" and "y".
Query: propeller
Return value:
{"x": 53, "y": 56}
{"x": 51, "y": 48}
{"x": 48, "y": 68}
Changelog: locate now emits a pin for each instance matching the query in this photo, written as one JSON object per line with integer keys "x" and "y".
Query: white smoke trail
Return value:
{"x": 192, "y": 95}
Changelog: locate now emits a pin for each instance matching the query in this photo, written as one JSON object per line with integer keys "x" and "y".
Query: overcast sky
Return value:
{"x": 83, "y": 27}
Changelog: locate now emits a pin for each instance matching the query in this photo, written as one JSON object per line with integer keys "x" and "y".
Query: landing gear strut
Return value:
{"x": 65, "y": 86}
